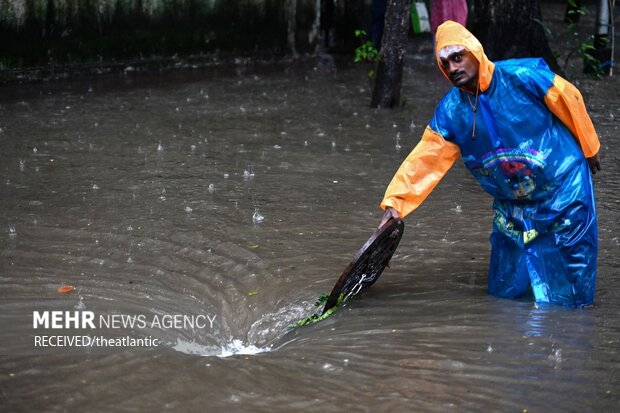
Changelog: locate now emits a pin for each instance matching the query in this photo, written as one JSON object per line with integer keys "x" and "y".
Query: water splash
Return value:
{"x": 80, "y": 304}
{"x": 257, "y": 218}
{"x": 239, "y": 347}
{"x": 556, "y": 356}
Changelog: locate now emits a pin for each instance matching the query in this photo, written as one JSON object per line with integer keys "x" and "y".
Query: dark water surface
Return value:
{"x": 243, "y": 195}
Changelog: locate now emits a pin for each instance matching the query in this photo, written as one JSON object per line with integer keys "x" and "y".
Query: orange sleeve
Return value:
{"x": 420, "y": 173}
{"x": 566, "y": 102}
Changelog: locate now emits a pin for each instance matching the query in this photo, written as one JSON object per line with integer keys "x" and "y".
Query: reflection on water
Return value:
{"x": 244, "y": 195}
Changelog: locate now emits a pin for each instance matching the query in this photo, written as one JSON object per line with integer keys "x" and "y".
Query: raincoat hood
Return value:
{"x": 452, "y": 33}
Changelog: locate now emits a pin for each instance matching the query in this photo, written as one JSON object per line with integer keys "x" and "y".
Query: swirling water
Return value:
{"x": 244, "y": 195}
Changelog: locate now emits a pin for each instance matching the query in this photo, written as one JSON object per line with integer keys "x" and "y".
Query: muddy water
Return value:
{"x": 243, "y": 195}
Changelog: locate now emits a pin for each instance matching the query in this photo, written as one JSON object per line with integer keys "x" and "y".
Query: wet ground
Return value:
{"x": 242, "y": 196}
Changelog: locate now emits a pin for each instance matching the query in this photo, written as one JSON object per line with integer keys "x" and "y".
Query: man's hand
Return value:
{"x": 595, "y": 164}
{"x": 389, "y": 213}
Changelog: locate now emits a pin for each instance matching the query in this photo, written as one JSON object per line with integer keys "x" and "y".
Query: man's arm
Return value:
{"x": 418, "y": 175}
{"x": 566, "y": 102}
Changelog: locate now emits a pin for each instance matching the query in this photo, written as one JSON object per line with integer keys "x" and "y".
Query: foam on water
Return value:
{"x": 232, "y": 348}
{"x": 239, "y": 347}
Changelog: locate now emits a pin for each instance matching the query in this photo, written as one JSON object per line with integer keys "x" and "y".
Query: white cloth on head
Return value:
{"x": 448, "y": 50}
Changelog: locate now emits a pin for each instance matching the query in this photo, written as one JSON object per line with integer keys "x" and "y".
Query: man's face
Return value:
{"x": 462, "y": 69}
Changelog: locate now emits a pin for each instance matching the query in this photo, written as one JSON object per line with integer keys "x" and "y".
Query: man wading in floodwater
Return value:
{"x": 526, "y": 136}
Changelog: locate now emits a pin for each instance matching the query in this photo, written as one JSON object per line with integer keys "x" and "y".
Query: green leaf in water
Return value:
{"x": 315, "y": 318}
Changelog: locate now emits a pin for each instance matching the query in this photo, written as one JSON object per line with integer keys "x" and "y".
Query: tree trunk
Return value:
{"x": 386, "y": 93}
{"x": 511, "y": 28}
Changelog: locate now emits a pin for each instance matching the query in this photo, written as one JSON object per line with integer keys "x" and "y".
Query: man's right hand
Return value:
{"x": 389, "y": 213}
{"x": 594, "y": 163}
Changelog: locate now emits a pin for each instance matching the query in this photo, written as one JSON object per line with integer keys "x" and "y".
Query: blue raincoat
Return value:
{"x": 526, "y": 142}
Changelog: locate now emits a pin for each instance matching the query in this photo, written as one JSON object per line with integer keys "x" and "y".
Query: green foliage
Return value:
{"x": 584, "y": 51}
{"x": 366, "y": 51}
{"x": 573, "y": 44}
{"x": 577, "y": 47}
{"x": 575, "y": 11}
{"x": 314, "y": 318}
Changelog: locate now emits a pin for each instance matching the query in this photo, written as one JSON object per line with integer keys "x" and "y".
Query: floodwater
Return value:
{"x": 242, "y": 195}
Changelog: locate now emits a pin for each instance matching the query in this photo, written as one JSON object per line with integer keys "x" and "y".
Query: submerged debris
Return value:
{"x": 66, "y": 289}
